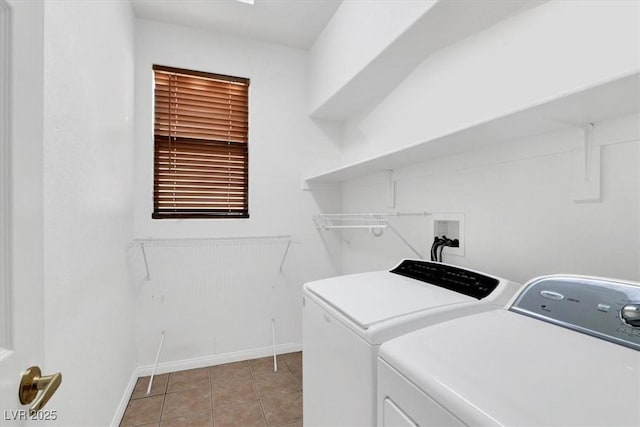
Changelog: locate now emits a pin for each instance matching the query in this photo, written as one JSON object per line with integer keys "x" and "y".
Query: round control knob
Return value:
{"x": 630, "y": 314}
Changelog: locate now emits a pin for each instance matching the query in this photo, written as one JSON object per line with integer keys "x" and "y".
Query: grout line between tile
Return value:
{"x": 210, "y": 374}
{"x": 164, "y": 397}
{"x": 211, "y": 392}
{"x": 233, "y": 405}
{"x": 264, "y": 413}
{"x": 255, "y": 389}
{"x": 184, "y": 415}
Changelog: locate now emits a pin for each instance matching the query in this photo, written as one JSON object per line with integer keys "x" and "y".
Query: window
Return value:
{"x": 201, "y": 145}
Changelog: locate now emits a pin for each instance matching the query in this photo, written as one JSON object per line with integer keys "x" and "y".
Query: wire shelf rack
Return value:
{"x": 376, "y": 223}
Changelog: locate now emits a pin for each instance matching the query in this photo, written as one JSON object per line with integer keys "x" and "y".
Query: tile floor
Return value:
{"x": 243, "y": 394}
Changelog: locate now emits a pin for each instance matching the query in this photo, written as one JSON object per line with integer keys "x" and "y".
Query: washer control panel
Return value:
{"x": 603, "y": 308}
{"x": 455, "y": 279}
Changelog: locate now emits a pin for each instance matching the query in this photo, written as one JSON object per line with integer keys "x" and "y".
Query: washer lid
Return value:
{"x": 369, "y": 298}
{"x": 503, "y": 368}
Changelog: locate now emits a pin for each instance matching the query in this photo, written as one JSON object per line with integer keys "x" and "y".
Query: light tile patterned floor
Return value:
{"x": 242, "y": 394}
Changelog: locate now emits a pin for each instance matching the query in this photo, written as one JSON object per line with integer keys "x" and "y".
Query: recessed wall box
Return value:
{"x": 452, "y": 226}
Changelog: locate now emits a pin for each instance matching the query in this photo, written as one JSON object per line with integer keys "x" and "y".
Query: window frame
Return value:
{"x": 242, "y": 146}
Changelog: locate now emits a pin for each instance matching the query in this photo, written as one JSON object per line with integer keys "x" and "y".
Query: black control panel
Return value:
{"x": 445, "y": 276}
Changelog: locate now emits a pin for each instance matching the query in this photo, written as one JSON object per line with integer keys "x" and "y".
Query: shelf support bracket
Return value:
{"x": 284, "y": 256}
{"x": 406, "y": 242}
{"x": 146, "y": 262}
{"x": 391, "y": 189}
{"x": 587, "y": 182}
{"x": 588, "y": 150}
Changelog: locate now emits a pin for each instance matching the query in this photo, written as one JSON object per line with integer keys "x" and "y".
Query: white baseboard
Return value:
{"x": 117, "y": 417}
{"x": 197, "y": 362}
{"x": 216, "y": 359}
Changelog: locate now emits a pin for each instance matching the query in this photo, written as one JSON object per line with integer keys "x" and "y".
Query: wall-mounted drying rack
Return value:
{"x": 208, "y": 241}
{"x": 376, "y": 223}
{"x": 286, "y": 240}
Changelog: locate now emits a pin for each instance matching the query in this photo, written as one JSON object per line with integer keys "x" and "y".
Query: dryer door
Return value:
{"x": 402, "y": 404}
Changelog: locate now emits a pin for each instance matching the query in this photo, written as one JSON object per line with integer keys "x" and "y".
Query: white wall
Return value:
{"x": 370, "y": 46}
{"x": 550, "y": 50}
{"x": 357, "y": 33}
{"x": 283, "y": 143}
{"x": 26, "y": 255}
{"x": 88, "y": 217}
{"x": 520, "y": 217}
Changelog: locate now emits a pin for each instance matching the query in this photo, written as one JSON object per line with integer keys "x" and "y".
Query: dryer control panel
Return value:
{"x": 603, "y": 308}
{"x": 455, "y": 279}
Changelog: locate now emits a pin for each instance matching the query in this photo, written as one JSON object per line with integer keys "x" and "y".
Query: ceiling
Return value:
{"x": 295, "y": 23}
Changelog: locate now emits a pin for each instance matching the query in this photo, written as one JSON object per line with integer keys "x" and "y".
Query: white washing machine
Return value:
{"x": 345, "y": 319}
{"x": 565, "y": 353}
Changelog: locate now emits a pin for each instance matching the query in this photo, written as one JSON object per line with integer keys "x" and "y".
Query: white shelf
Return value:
{"x": 614, "y": 98}
{"x": 443, "y": 24}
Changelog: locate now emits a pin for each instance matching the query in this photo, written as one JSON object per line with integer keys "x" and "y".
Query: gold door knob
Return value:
{"x": 32, "y": 382}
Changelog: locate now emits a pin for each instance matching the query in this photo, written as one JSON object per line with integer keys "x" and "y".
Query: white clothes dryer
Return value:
{"x": 566, "y": 352}
{"x": 345, "y": 319}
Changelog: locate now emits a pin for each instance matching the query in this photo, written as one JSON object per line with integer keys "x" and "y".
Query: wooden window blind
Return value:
{"x": 201, "y": 145}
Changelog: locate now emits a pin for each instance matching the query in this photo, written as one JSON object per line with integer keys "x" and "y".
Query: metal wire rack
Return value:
{"x": 376, "y": 223}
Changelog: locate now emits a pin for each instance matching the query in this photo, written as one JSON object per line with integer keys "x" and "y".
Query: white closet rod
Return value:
{"x": 368, "y": 221}
{"x": 331, "y": 227}
{"x": 374, "y": 222}
{"x": 207, "y": 240}
{"x": 372, "y": 214}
